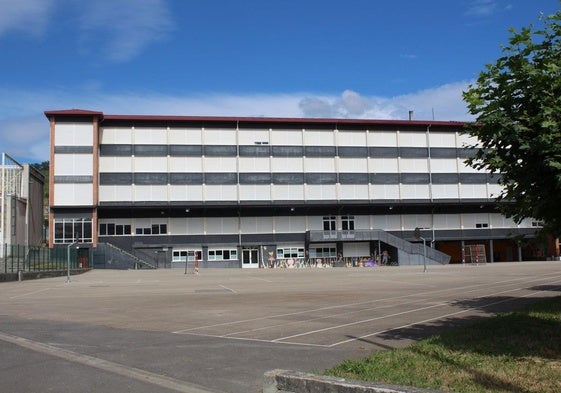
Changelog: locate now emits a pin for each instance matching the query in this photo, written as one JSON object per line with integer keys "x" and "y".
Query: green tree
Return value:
{"x": 517, "y": 104}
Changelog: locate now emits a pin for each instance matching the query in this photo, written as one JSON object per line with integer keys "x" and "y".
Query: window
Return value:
{"x": 323, "y": 252}
{"x": 69, "y": 230}
{"x": 114, "y": 229}
{"x": 348, "y": 223}
{"x": 186, "y": 255}
{"x": 290, "y": 252}
{"x": 482, "y": 225}
{"x": 537, "y": 223}
{"x": 223, "y": 255}
{"x": 154, "y": 229}
{"x": 329, "y": 223}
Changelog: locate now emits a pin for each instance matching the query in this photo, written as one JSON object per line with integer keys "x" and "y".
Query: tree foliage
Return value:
{"x": 517, "y": 104}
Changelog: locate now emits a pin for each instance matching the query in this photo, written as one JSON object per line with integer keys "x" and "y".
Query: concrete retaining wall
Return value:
{"x": 285, "y": 381}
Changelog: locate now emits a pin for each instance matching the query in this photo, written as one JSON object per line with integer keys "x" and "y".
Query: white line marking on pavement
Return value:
{"x": 30, "y": 293}
{"x": 226, "y": 288}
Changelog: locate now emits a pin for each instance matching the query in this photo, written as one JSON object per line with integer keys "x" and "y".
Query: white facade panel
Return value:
{"x": 150, "y": 164}
{"x": 412, "y": 139}
{"x": 494, "y": 190}
{"x": 115, "y": 193}
{"x": 315, "y": 223}
{"x": 288, "y": 192}
{"x": 470, "y": 221}
{"x": 251, "y": 137}
{"x": 321, "y": 192}
{"x": 442, "y": 139}
{"x": 286, "y": 137}
{"x": 319, "y": 164}
{"x": 115, "y": 164}
{"x": 390, "y": 222}
{"x": 464, "y": 168}
{"x": 221, "y": 225}
{"x": 290, "y": 224}
{"x": 254, "y": 164}
{"x": 352, "y": 138}
{"x": 499, "y": 221}
{"x": 356, "y": 249}
{"x": 69, "y": 194}
{"x": 117, "y": 136}
{"x": 73, "y": 164}
{"x": 319, "y": 138}
{"x": 186, "y": 193}
{"x": 74, "y": 134}
{"x": 220, "y": 192}
{"x": 382, "y": 138}
{"x": 257, "y": 224}
{"x": 412, "y": 221}
{"x": 287, "y": 164}
{"x": 414, "y": 165}
{"x": 219, "y": 137}
{"x": 362, "y": 222}
{"x": 353, "y": 165}
{"x": 186, "y": 164}
{"x": 465, "y": 140}
{"x": 415, "y": 191}
{"x": 186, "y": 225}
{"x": 471, "y": 191}
{"x": 151, "y": 193}
{"x": 447, "y": 221}
{"x": 445, "y": 191}
{"x": 384, "y": 191}
{"x": 219, "y": 164}
{"x": 150, "y": 136}
{"x": 185, "y": 136}
{"x": 444, "y": 165}
{"x": 353, "y": 191}
{"x": 255, "y": 192}
{"x": 383, "y": 165}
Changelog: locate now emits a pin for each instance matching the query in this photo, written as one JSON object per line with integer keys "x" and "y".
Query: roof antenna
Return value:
{"x": 410, "y": 115}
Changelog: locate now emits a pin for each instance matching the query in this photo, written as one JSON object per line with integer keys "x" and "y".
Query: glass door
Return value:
{"x": 250, "y": 258}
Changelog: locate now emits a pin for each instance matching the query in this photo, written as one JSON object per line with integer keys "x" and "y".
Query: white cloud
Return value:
{"x": 24, "y": 133}
{"x": 28, "y": 16}
{"x": 481, "y": 8}
{"x": 122, "y": 29}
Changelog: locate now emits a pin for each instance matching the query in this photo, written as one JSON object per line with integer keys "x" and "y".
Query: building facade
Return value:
{"x": 248, "y": 192}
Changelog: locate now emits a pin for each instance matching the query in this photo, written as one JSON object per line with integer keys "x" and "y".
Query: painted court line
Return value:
{"x": 30, "y": 293}
{"x": 105, "y": 365}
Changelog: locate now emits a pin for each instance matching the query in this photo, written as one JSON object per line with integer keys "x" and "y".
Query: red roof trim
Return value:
{"x": 73, "y": 112}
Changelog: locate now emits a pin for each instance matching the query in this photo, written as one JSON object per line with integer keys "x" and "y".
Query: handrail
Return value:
{"x": 142, "y": 261}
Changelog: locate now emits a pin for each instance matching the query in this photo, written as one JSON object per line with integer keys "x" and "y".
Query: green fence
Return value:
{"x": 14, "y": 258}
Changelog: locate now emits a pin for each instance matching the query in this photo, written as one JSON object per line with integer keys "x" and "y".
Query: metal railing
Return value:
{"x": 16, "y": 258}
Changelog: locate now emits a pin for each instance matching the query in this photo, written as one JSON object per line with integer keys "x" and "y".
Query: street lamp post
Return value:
{"x": 68, "y": 259}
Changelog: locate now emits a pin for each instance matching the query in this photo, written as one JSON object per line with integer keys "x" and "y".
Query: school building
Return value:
{"x": 252, "y": 192}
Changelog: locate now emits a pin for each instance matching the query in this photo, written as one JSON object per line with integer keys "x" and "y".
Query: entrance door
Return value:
{"x": 250, "y": 257}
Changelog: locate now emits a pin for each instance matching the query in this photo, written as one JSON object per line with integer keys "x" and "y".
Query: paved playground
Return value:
{"x": 219, "y": 331}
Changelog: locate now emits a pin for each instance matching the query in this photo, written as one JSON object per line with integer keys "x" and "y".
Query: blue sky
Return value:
{"x": 281, "y": 58}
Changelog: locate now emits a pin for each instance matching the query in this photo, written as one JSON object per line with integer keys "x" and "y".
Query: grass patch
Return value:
{"x": 513, "y": 352}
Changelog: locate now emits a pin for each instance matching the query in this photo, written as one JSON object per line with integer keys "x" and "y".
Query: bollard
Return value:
{"x": 20, "y": 275}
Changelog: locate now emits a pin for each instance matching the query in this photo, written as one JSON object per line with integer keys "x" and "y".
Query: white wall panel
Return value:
{"x": 286, "y": 137}
{"x": 353, "y": 165}
{"x": 73, "y": 164}
{"x": 412, "y": 221}
{"x": 257, "y": 224}
{"x": 315, "y": 223}
{"x": 115, "y": 193}
{"x": 288, "y": 192}
{"x": 494, "y": 190}
{"x": 115, "y": 164}
{"x": 383, "y": 165}
{"x": 255, "y": 192}
{"x": 117, "y": 136}
{"x": 469, "y": 221}
{"x": 414, "y": 165}
{"x": 219, "y": 137}
{"x": 444, "y": 165}
{"x": 219, "y": 164}
{"x": 220, "y": 192}
{"x": 249, "y": 137}
{"x": 185, "y": 136}
{"x": 442, "y": 139}
{"x": 362, "y": 222}
{"x": 384, "y": 191}
{"x": 151, "y": 193}
{"x": 352, "y": 138}
{"x": 287, "y": 164}
{"x": 150, "y": 164}
{"x": 319, "y": 164}
{"x": 254, "y": 164}
{"x": 470, "y": 191}
{"x": 500, "y": 221}
{"x": 382, "y": 138}
{"x": 412, "y": 139}
{"x": 465, "y": 140}
{"x": 390, "y": 222}
{"x": 464, "y": 168}
{"x": 356, "y": 249}
{"x": 445, "y": 191}
{"x": 321, "y": 192}
{"x": 67, "y": 194}
{"x": 221, "y": 225}
{"x": 185, "y": 193}
{"x": 74, "y": 134}
{"x": 353, "y": 191}
{"x": 415, "y": 191}
{"x": 150, "y": 136}
{"x": 186, "y": 225}
{"x": 447, "y": 221}
{"x": 290, "y": 224}
{"x": 319, "y": 138}
{"x": 186, "y": 164}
